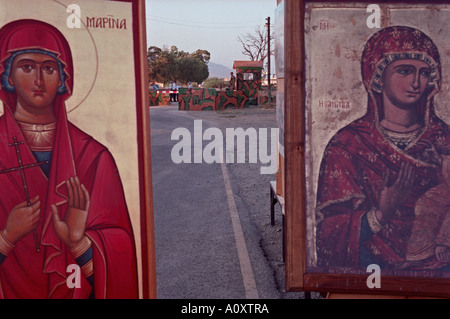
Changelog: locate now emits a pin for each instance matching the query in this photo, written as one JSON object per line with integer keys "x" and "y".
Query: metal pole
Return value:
{"x": 268, "y": 61}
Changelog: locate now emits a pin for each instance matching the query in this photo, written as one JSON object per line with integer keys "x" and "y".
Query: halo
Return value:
{"x": 76, "y": 102}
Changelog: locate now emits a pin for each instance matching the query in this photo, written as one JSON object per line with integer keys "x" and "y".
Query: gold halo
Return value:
{"x": 88, "y": 89}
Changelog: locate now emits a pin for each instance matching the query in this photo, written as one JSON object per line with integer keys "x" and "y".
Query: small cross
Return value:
{"x": 21, "y": 168}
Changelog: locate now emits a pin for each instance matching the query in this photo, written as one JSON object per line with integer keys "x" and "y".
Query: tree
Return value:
{"x": 191, "y": 69}
{"x": 160, "y": 64}
{"x": 174, "y": 65}
{"x": 202, "y": 55}
{"x": 255, "y": 44}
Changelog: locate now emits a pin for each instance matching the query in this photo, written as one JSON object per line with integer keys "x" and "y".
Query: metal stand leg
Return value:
{"x": 273, "y": 201}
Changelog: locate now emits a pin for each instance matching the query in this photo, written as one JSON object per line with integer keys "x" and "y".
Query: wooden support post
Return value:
{"x": 294, "y": 149}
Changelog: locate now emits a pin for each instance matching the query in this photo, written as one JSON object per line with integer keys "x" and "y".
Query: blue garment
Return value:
{"x": 42, "y": 157}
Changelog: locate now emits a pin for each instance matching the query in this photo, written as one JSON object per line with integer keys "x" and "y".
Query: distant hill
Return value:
{"x": 219, "y": 70}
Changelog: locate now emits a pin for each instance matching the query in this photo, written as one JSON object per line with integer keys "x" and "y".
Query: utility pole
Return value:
{"x": 268, "y": 61}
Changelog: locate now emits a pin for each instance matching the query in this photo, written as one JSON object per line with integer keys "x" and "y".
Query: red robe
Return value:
{"x": 350, "y": 181}
{"x": 26, "y": 273}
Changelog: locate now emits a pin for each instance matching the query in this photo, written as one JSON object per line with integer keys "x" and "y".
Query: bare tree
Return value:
{"x": 255, "y": 44}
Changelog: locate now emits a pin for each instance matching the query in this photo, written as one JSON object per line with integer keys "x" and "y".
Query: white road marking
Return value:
{"x": 251, "y": 292}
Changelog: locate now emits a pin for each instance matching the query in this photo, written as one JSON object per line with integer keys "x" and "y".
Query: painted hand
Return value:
{"x": 71, "y": 229}
{"x": 430, "y": 154}
{"x": 392, "y": 197}
{"x": 22, "y": 220}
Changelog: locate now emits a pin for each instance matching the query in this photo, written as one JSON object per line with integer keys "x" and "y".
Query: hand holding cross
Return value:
{"x": 24, "y": 218}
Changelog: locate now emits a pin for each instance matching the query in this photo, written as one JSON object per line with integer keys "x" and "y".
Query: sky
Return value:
{"x": 212, "y": 25}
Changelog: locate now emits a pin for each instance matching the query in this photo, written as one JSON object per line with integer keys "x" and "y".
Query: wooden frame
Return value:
{"x": 147, "y": 230}
{"x": 128, "y": 27}
{"x": 145, "y": 163}
{"x": 298, "y": 278}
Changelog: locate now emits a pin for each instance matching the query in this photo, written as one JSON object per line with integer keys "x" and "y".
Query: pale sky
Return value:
{"x": 212, "y": 25}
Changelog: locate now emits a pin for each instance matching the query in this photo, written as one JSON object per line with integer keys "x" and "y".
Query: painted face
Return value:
{"x": 35, "y": 77}
{"x": 405, "y": 81}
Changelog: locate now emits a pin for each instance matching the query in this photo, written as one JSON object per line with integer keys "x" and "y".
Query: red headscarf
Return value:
{"x": 395, "y": 43}
{"x": 26, "y": 35}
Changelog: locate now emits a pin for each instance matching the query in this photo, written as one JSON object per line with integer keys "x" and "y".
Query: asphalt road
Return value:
{"x": 212, "y": 221}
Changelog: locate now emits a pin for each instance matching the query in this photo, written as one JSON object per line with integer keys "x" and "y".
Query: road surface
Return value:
{"x": 213, "y": 235}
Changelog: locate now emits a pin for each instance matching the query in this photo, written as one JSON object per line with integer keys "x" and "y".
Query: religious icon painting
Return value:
{"x": 75, "y": 201}
{"x": 376, "y": 208}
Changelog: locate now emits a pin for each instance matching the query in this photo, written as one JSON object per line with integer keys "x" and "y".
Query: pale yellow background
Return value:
{"x": 103, "y": 102}
{"x": 335, "y": 35}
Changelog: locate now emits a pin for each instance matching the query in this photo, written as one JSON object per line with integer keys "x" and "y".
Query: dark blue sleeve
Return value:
{"x": 365, "y": 256}
{"x": 83, "y": 260}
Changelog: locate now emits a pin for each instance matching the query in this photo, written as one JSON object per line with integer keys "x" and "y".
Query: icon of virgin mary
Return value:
{"x": 76, "y": 206}
{"x": 377, "y": 172}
